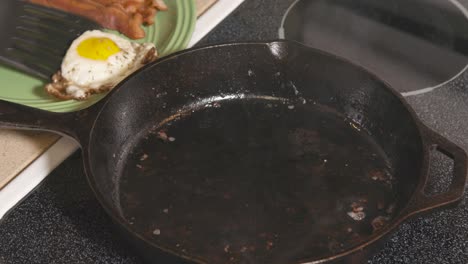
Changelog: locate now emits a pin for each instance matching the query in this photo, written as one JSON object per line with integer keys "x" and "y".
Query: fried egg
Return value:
{"x": 96, "y": 62}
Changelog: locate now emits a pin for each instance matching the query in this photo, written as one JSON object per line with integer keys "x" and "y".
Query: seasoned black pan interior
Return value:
{"x": 257, "y": 155}
{"x": 256, "y": 180}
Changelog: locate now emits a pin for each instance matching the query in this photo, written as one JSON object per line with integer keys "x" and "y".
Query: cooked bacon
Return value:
{"x": 125, "y": 16}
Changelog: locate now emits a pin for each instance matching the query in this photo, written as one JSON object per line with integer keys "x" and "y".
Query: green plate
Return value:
{"x": 171, "y": 32}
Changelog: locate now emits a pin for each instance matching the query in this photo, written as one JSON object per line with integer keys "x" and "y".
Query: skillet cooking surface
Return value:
{"x": 257, "y": 180}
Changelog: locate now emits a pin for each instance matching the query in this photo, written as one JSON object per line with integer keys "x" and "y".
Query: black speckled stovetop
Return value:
{"x": 61, "y": 221}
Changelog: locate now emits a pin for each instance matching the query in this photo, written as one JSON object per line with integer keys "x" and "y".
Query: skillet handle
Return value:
{"x": 456, "y": 189}
{"x": 72, "y": 124}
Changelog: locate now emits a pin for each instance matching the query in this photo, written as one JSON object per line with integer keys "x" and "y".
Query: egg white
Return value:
{"x": 82, "y": 76}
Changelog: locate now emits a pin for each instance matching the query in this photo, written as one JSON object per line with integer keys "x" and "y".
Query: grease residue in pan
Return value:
{"x": 257, "y": 181}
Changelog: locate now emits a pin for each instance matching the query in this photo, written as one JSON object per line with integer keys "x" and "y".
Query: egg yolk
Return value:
{"x": 97, "y": 48}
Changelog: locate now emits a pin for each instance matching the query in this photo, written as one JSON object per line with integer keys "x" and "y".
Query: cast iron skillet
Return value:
{"x": 253, "y": 153}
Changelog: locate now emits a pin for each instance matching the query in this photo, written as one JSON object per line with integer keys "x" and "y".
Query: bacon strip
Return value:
{"x": 125, "y": 16}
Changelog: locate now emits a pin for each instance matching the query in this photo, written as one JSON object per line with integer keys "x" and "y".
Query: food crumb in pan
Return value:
{"x": 296, "y": 91}
{"x": 349, "y": 230}
{"x": 162, "y": 135}
{"x": 358, "y": 216}
{"x": 358, "y": 206}
{"x": 379, "y": 222}
{"x": 354, "y": 126}
{"x": 358, "y": 209}
{"x": 166, "y": 211}
{"x": 269, "y": 245}
{"x": 139, "y": 166}
{"x": 290, "y": 107}
{"x": 391, "y": 209}
{"x": 226, "y": 248}
{"x": 377, "y": 175}
{"x": 250, "y": 73}
{"x": 144, "y": 157}
{"x": 159, "y": 95}
{"x": 243, "y": 249}
{"x": 171, "y": 139}
{"x": 157, "y": 232}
